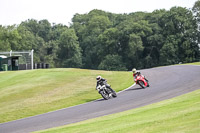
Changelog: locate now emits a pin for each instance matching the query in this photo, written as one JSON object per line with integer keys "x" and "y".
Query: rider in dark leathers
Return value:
{"x": 101, "y": 81}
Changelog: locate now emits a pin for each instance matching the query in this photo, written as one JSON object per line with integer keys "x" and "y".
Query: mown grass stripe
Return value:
{"x": 33, "y": 92}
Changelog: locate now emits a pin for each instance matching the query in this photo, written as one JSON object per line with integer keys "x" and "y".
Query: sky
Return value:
{"x": 62, "y": 11}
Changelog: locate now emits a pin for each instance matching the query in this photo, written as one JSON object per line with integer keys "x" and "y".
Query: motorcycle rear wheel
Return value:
{"x": 148, "y": 84}
{"x": 114, "y": 94}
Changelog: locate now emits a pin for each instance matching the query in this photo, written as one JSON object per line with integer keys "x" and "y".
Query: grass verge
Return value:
{"x": 32, "y": 92}
{"x": 194, "y": 63}
{"x": 179, "y": 115}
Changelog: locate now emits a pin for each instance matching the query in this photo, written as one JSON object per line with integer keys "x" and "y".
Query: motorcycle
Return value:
{"x": 106, "y": 92}
{"x": 142, "y": 81}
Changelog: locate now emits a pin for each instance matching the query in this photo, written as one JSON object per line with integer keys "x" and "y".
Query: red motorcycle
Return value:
{"x": 142, "y": 81}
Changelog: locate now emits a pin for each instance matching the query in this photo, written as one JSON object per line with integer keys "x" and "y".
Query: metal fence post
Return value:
{"x": 32, "y": 59}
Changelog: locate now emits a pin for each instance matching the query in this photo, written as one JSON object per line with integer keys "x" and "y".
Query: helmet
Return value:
{"x": 98, "y": 78}
{"x": 134, "y": 70}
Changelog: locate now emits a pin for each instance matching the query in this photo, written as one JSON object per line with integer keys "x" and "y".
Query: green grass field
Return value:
{"x": 28, "y": 93}
{"x": 33, "y": 92}
{"x": 177, "y": 115}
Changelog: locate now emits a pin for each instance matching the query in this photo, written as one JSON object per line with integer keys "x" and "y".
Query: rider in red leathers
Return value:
{"x": 137, "y": 73}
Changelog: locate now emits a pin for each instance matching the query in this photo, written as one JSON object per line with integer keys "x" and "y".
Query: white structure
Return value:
{"x": 28, "y": 55}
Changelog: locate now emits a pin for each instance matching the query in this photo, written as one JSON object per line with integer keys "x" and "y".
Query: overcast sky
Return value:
{"x": 62, "y": 11}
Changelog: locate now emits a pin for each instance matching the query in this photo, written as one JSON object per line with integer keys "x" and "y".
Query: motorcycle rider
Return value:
{"x": 101, "y": 81}
{"x": 137, "y": 73}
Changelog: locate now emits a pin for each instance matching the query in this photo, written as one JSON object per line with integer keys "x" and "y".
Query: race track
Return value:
{"x": 165, "y": 83}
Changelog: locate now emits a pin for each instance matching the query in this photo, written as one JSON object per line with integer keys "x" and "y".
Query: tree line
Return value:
{"x": 108, "y": 41}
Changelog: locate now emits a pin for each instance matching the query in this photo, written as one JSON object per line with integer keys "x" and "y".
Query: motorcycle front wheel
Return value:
{"x": 141, "y": 83}
{"x": 104, "y": 94}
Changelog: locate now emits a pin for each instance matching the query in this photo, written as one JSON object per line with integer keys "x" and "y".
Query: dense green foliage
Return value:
{"x": 103, "y": 40}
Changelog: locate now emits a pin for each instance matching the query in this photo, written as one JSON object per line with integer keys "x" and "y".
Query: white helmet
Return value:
{"x": 134, "y": 70}
{"x": 98, "y": 78}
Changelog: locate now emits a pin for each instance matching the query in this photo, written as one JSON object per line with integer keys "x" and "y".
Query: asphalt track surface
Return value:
{"x": 165, "y": 83}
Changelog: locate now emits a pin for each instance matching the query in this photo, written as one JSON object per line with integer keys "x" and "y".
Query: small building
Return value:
{"x": 9, "y": 62}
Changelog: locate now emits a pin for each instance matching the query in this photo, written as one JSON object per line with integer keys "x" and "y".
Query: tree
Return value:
{"x": 96, "y": 40}
{"x": 196, "y": 11}
{"x": 134, "y": 51}
{"x": 88, "y": 28}
{"x": 180, "y": 23}
{"x": 168, "y": 53}
{"x": 4, "y": 42}
{"x": 133, "y": 38}
{"x": 31, "y": 25}
{"x": 112, "y": 63}
{"x": 109, "y": 42}
{"x": 27, "y": 40}
{"x": 10, "y": 38}
{"x": 70, "y": 52}
{"x": 44, "y": 29}
{"x": 51, "y": 56}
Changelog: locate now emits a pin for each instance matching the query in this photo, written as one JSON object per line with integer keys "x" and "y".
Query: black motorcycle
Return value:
{"x": 106, "y": 91}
